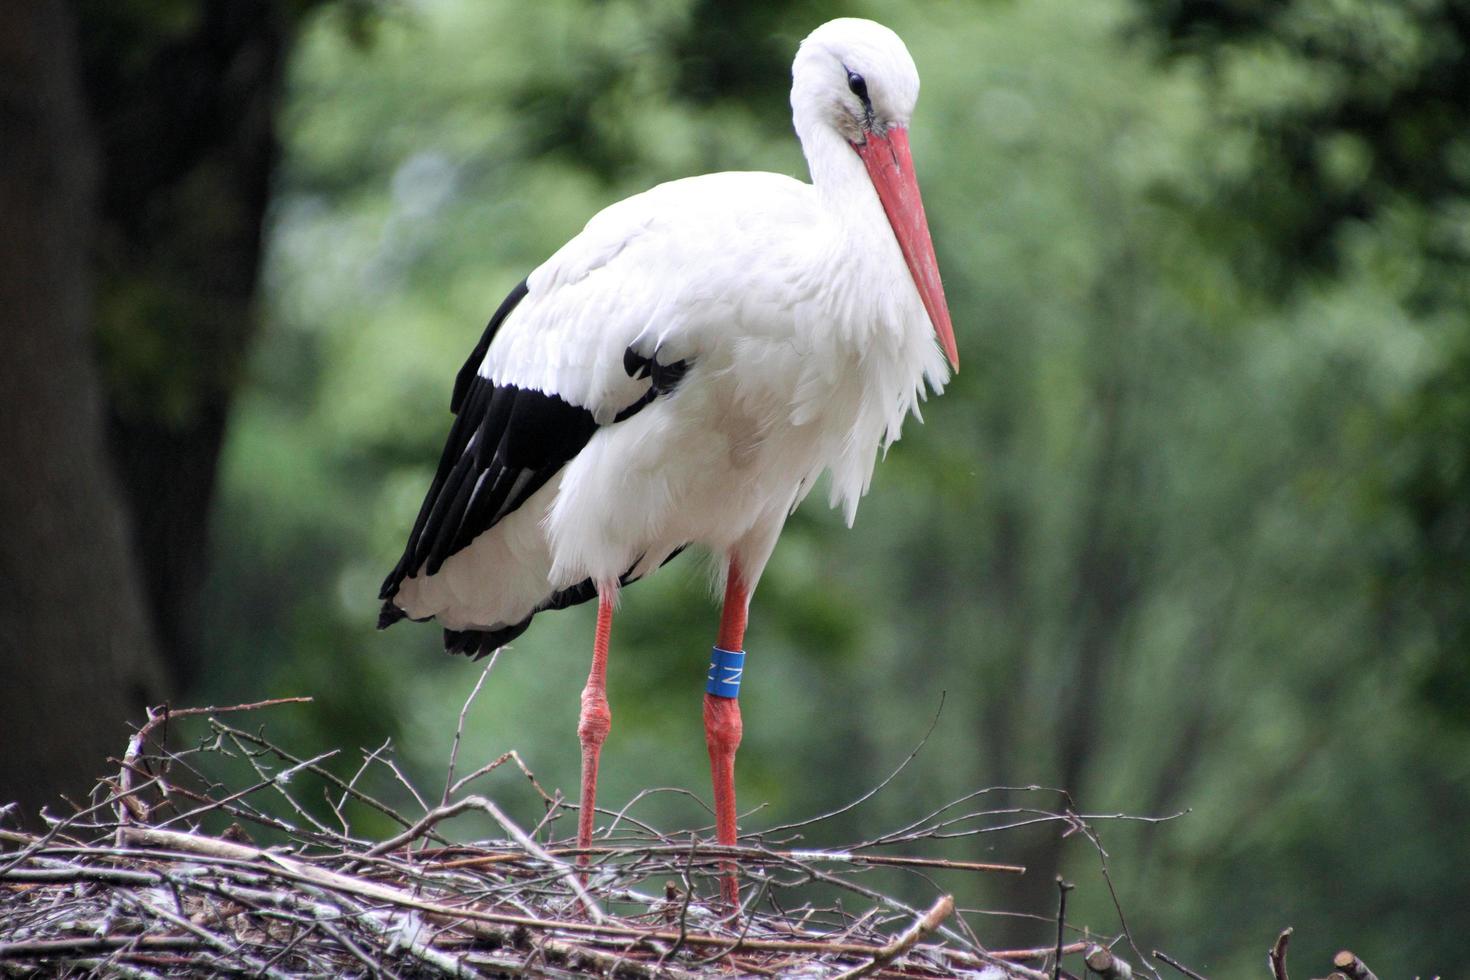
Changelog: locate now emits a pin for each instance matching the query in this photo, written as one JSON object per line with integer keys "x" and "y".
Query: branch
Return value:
{"x": 1347, "y": 962}
{"x": 1105, "y": 964}
{"x": 942, "y": 909}
{"x": 1163, "y": 957}
{"x": 1277, "y": 957}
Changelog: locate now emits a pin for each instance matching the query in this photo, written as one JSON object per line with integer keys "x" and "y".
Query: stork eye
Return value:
{"x": 859, "y": 88}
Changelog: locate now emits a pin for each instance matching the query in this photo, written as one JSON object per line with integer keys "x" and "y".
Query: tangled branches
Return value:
{"x": 161, "y": 876}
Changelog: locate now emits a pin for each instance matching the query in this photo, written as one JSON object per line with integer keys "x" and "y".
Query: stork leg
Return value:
{"x": 594, "y": 724}
{"x": 722, "y": 729}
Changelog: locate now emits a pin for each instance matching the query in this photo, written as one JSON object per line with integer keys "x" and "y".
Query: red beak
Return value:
{"x": 892, "y": 171}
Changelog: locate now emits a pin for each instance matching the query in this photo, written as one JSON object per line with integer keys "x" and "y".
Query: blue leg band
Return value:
{"x": 725, "y": 668}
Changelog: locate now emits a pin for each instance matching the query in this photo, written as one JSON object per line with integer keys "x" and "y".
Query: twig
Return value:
{"x": 1348, "y": 962}
{"x": 1105, "y": 964}
{"x": 1039, "y": 952}
{"x": 754, "y": 854}
{"x": 510, "y": 755}
{"x": 60, "y": 876}
{"x": 1062, "y": 888}
{"x": 683, "y": 906}
{"x": 942, "y": 908}
{"x": 47, "y": 948}
{"x": 1163, "y": 957}
{"x": 449, "y": 784}
{"x": 933, "y": 723}
{"x": 1277, "y": 956}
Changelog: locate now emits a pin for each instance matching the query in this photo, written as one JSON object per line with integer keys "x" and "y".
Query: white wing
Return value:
{"x": 674, "y": 274}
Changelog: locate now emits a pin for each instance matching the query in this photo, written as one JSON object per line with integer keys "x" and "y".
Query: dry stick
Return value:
{"x": 510, "y": 966}
{"x": 942, "y": 909}
{"x": 1347, "y": 962}
{"x": 684, "y": 906}
{"x": 643, "y": 794}
{"x": 982, "y": 960}
{"x": 125, "y": 776}
{"x": 1062, "y": 888}
{"x": 728, "y": 852}
{"x": 45, "y": 948}
{"x": 510, "y": 755}
{"x": 288, "y": 948}
{"x": 367, "y": 761}
{"x": 428, "y": 820}
{"x": 1037, "y": 952}
{"x": 553, "y": 807}
{"x": 459, "y": 728}
{"x": 1104, "y": 963}
{"x": 976, "y": 958}
{"x": 745, "y": 966}
{"x": 1166, "y": 958}
{"x": 814, "y": 874}
{"x": 1277, "y": 956}
{"x": 875, "y": 790}
{"x": 58, "y": 876}
{"x": 857, "y": 923}
{"x": 111, "y": 967}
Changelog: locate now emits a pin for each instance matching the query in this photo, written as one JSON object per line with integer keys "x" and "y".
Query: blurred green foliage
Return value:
{"x": 1188, "y": 532}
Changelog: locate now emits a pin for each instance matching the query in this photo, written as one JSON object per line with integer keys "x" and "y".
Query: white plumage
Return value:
{"x": 803, "y": 339}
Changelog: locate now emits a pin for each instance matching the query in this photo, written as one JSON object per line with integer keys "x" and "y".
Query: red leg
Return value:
{"x": 722, "y": 730}
{"x": 594, "y": 725}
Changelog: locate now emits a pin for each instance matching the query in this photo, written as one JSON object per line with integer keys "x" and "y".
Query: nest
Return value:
{"x": 135, "y": 885}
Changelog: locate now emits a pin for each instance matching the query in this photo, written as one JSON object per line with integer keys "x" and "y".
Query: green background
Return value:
{"x": 1188, "y": 532}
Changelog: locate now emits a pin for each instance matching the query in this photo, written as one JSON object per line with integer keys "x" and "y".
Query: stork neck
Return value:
{"x": 838, "y": 173}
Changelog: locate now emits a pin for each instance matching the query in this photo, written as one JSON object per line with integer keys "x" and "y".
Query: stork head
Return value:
{"x": 855, "y": 78}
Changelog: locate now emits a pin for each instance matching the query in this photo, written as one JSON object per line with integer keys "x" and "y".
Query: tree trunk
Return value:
{"x": 77, "y": 656}
{"x": 184, "y": 99}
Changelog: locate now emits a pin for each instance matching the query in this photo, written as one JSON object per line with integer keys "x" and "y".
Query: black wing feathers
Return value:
{"x": 471, "y": 369}
{"x": 504, "y": 445}
{"x": 471, "y": 403}
{"x": 479, "y": 643}
{"x": 533, "y": 435}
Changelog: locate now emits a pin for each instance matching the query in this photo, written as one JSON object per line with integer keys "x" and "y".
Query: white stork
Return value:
{"x": 680, "y": 373}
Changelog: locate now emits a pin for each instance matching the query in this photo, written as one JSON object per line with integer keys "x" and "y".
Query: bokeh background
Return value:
{"x": 1191, "y": 531}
